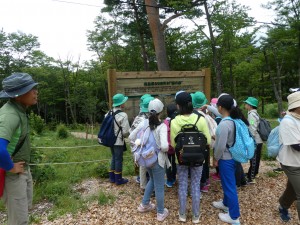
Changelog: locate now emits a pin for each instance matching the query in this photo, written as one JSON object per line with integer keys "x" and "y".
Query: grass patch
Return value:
{"x": 272, "y": 174}
{"x": 55, "y": 183}
{"x": 104, "y": 198}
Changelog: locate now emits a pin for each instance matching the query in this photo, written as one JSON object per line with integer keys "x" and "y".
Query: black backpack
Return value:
{"x": 191, "y": 145}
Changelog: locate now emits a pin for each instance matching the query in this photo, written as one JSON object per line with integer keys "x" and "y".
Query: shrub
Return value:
{"x": 62, "y": 132}
{"x": 37, "y": 124}
{"x": 52, "y": 125}
{"x": 55, "y": 189}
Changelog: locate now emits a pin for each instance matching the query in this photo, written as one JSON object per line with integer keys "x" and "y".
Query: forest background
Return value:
{"x": 135, "y": 36}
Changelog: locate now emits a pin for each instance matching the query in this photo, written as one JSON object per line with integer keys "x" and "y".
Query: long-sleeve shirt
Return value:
{"x": 122, "y": 120}
{"x": 181, "y": 120}
{"x": 161, "y": 138}
{"x": 224, "y": 138}
{"x": 253, "y": 119}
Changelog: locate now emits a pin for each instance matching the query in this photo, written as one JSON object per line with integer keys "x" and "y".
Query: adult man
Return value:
{"x": 21, "y": 91}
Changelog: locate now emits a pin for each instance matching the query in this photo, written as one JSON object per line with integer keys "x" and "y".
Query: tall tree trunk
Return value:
{"x": 141, "y": 37}
{"x": 157, "y": 35}
{"x": 276, "y": 82}
{"x": 216, "y": 61}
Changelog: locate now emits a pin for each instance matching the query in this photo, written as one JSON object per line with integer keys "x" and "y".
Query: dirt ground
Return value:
{"x": 258, "y": 203}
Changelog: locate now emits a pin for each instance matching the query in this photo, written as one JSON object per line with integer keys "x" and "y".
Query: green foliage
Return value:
{"x": 62, "y": 131}
{"x": 102, "y": 170}
{"x": 272, "y": 174}
{"x": 37, "y": 124}
{"x": 104, "y": 198}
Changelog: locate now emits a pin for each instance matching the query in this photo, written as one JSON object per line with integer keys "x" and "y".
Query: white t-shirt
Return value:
{"x": 289, "y": 134}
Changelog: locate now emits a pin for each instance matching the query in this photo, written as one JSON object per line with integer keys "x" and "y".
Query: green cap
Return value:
{"x": 119, "y": 99}
{"x": 252, "y": 101}
{"x": 143, "y": 97}
{"x": 198, "y": 99}
{"x": 145, "y": 104}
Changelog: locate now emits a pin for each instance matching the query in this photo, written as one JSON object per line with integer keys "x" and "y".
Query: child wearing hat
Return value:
{"x": 143, "y": 115}
{"x": 20, "y": 90}
{"x": 186, "y": 116}
{"x": 121, "y": 127}
{"x": 199, "y": 101}
{"x": 251, "y": 105}
{"x": 157, "y": 171}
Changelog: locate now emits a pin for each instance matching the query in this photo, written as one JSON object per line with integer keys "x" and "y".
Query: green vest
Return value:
{"x": 14, "y": 127}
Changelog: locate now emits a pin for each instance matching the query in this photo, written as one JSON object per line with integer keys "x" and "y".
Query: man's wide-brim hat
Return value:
{"x": 16, "y": 85}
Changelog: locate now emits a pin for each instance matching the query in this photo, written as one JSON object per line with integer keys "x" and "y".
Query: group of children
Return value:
{"x": 188, "y": 108}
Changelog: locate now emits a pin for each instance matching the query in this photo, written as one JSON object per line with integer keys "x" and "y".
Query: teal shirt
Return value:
{"x": 14, "y": 128}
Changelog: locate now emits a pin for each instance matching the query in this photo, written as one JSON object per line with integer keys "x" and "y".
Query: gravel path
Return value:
{"x": 258, "y": 203}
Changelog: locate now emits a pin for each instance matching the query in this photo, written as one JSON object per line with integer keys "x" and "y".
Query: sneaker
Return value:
{"x": 196, "y": 219}
{"x": 278, "y": 170}
{"x": 162, "y": 216}
{"x": 204, "y": 189}
{"x": 169, "y": 184}
{"x": 174, "y": 181}
{"x": 216, "y": 177}
{"x": 284, "y": 214}
{"x": 208, "y": 182}
{"x": 146, "y": 208}
{"x": 253, "y": 181}
{"x": 220, "y": 205}
{"x": 182, "y": 217}
{"x": 225, "y": 217}
{"x": 137, "y": 180}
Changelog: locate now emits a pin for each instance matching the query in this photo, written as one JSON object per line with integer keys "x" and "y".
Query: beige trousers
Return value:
{"x": 17, "y": 197}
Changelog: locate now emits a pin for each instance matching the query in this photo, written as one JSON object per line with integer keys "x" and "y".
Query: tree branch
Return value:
{"x": 164, "y": 25}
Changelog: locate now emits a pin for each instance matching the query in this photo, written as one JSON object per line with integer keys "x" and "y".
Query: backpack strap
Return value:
{"x": 120, "y": 128}
{"x": 234, "y": 132}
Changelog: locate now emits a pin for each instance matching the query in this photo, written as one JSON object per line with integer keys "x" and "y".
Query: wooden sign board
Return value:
{"x": 160, "y": 84}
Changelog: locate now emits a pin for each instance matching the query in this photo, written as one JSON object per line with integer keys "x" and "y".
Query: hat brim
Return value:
{"x": 14, "y": 94}
{"x": 144, "y": 110}
{"x": 249, "y": 103}
{"x": 121, "y": 103}
{"x": 294, "y": 105}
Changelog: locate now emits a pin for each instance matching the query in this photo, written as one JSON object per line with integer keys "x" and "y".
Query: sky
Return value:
{"x": 61, "y": 27}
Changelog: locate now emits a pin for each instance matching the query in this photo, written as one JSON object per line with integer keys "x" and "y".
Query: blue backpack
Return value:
{"x": 273, "y": 144}
{"x": 106, "y": 135}
{"x": 145, "y": 149}
{"x": 243, "y": 147}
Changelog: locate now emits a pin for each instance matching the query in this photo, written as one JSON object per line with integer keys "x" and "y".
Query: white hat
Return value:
{"x": 294, "y": 100}
{"x": 156, "y": 105}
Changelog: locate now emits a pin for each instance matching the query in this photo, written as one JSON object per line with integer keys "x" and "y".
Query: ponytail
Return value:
{"x": 236, "y": 113}
{"x": 153, "y": 120}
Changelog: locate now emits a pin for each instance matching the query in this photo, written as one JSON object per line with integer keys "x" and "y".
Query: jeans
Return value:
{"x": 117, "y": 158}
{"x": 17, "y": 196}
{"x": 227, "y": 173}
{"x": 292, "y": 190}
{"x": 196, "y": 173}
{"x": 157, "y": 183}
{"x": 171, "y": 171}
{"x": 254, "y": 162}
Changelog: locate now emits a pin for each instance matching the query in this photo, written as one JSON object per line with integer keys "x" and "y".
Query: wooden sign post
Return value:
{"x": 161, "y": 84}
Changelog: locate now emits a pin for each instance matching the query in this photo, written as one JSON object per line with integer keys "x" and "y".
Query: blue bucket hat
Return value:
{"x": 16, "y": 85}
